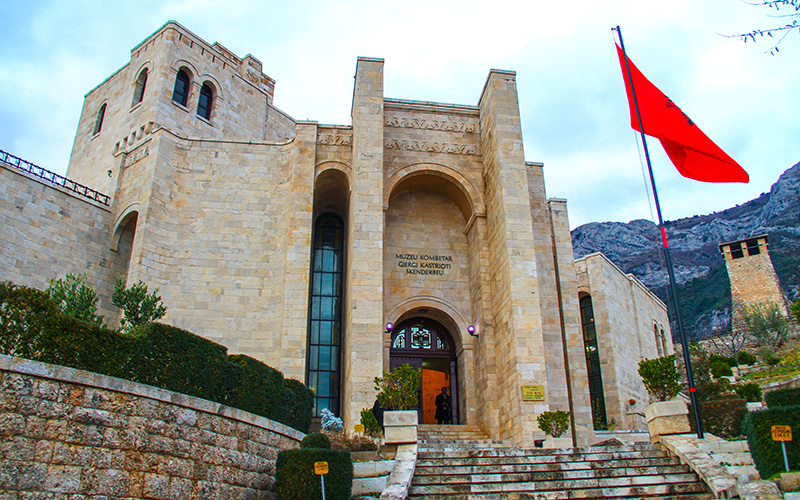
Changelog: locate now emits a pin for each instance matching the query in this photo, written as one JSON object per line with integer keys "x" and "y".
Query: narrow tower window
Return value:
{"x": 325, "y": 313}
{"x": 180, "y": 93}
{"x": 596, "y": 394}
{"x": 98, "y": 121}
{"x": 138, "y": 91}
{"x": 204, "y": 104}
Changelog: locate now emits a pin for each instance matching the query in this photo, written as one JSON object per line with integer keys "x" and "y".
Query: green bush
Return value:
{"x": 370, "y": 423}
{"x": 397, "y": 390}
{"x": 74, "y": 297}
{"x": 153, "y": 354}
{"x": 767, "y": 454}
{"x": 138, "y": 306}
{"x": 725, "y": 359}
{"x": 554, "y": 423}
{"x": 723, "y": 417}
{"x": 745, "y": 358}
{"x": 750, "y": 391}
{"x": 660, "y": 377}
{"x": 298, "y": 400}
{"x": 782, "y": 397}
{"x": 260, "y": 388}
{"x": 316, "y": 440}
{"x": 295, "y": 478}
{"x": 721, "y": 369}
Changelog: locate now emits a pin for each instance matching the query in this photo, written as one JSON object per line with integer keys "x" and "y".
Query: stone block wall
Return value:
{"x": 48, "y": 232}
{"x": 69, "y": 434}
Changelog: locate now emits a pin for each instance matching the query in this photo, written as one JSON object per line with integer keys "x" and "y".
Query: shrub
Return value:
{"x": 138, "y": 306}
{"x": 370, "y": 423}
{"x": 75, "y": 298}
{"x": 259, "y": 389}
{"x": 782, "y": 397}
{"x": 767, "y": 454}
{"x": 723, "y": 418}
{"x": 23, "y": 312}
{"x": 730, "y": 361}
{"x": 745, "y": 358}
{"x": 750, "y": 391}
{"x": 330, "y": 422}
{"x": 298, "y": 401}
{"x": 316, "y": 440}
{"x": 397, "y": 390}
{"x": 721, "y": 369}
{"x": 154, "y": 354}
{"x": 767, "y": 322}
{"x": 660, "y": 377}
{"x": 295, "y": 478}
{"x": 554, "y": 423}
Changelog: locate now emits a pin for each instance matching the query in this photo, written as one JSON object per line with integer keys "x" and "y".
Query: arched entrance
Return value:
{"x": 426, "y": 344}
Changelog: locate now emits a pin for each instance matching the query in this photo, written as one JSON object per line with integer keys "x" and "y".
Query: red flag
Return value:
{"x": 693, "y": 153}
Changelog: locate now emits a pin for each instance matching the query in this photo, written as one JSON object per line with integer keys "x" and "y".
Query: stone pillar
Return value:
{"x": 298, "y": 227}
{"x": 363, "y": 335}
{"x": 519, "y": 344}
{"x": 582, "y": 427}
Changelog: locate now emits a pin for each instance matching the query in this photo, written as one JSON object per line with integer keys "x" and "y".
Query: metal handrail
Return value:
{"x": 52, "y": 177}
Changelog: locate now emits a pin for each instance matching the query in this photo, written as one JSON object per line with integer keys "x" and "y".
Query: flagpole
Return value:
{"x": 673, "y": 289}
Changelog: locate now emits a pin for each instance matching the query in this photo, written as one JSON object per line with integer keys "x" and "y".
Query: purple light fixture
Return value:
{"x": 389, "y": 326}
{"x": 471, "y": 330}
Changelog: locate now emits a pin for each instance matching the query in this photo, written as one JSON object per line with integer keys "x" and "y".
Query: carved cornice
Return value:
{"x": 431, "y": 146}
{"x": 335, "y": 139}
{"x": 430, "y": 124}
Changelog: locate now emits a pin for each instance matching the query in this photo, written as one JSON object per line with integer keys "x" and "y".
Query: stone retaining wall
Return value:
{"x": 69, "y": 434}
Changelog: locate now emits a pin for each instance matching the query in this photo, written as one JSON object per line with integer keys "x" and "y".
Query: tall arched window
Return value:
{"x": 657, "y": 336}
{"x": 138, "y": 90}
{"x": 325, "y": 313}
{"x": 180, "y": 93}
{"x": 596, "y": 394}
{"x": 204, "y": 104}
{"x": 98, "y": 121}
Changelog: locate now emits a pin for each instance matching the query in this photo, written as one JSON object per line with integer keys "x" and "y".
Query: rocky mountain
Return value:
{"x": 704, "y": 289}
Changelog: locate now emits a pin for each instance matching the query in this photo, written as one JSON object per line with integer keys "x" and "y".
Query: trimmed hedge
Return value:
{"x": 316, "y": 440}
{"x": 295, "y": 478}
{"x": 750, "y": 391}
{"x": 767, "y": 454}
{"x": 155, "y": 354}
{"x": 722, "y": 417}
{"x": 782, "y": 397}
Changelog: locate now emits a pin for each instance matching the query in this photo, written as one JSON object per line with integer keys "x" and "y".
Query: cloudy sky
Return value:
{"x": 572, "y": 99}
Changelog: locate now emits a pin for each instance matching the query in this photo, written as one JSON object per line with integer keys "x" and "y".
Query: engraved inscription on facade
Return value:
{"x": 425, "y": 124}
{"x": 335, "y": 139}
{"x": 137, "y": 155}
{"x": 431, "y": 146}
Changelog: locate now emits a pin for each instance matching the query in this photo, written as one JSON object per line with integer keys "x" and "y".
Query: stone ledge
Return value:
{"x": 722, "y": 484}
{"x": 403, "y": 472}
{"x": 71, "y": 375}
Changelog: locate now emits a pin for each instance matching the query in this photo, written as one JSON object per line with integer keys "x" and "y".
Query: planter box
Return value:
{"x": 400, "y": 426}
{"x": 559, "y": 442}
{"x": 665, "y": 418}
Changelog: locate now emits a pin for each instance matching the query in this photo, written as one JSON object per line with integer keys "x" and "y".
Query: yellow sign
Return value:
{"x": 781, "y": 433}
{"x": 533, "y": 393}
{"x": 320, "y": 468}
{"x": 359, "y": 428}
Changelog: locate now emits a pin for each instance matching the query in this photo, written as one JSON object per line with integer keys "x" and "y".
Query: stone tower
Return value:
{"x": 753, "y": 278}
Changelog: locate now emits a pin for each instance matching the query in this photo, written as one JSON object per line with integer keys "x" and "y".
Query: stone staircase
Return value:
{"x": 461, "y": 463}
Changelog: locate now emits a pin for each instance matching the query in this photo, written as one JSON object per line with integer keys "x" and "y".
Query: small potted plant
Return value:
{"x": 661, "y": 379}
{"x": 397, "y": 394}
{"x": 554, "y": 424}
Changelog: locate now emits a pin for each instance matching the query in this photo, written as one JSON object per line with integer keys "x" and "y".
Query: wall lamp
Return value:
{"x": 471, "y": 330}
{"x": 389, "y": 326}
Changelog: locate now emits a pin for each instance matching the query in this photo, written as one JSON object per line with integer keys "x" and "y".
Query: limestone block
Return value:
{"x": 400, "y": 426}
{"x": 559, "y": 442}
{"x": 667, "y": 417}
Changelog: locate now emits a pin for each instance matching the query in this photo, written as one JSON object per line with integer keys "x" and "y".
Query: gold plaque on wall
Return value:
{"x": 533, "y": 393}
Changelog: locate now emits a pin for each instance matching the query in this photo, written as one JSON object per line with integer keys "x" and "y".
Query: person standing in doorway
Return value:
{"x": 443, "y": 405}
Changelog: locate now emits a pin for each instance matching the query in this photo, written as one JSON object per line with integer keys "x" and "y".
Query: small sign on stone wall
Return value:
{"x": 533, "y": 393}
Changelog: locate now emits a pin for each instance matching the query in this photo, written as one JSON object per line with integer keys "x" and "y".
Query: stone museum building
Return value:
{"x": 418, "y": 234}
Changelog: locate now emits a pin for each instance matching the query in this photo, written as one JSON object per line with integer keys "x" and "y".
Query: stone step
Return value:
{"x": 568, "y": 471}
{"x": 618, "y": 487}
{"x": 464, "y": 451}
{"x": 447, "y": 458}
